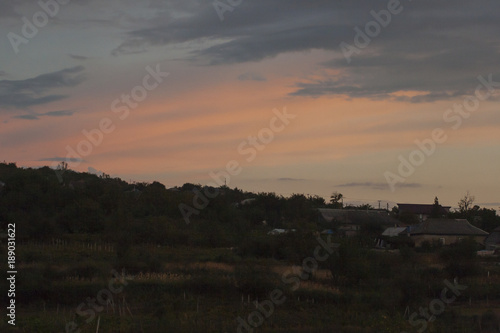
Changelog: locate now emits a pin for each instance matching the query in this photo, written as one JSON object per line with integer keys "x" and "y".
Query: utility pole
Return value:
{"x": 379, "y": 204}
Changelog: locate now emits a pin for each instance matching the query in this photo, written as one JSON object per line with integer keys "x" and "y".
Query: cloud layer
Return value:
{"x": 354, "y": 118}
{"x": 20, "y": 94}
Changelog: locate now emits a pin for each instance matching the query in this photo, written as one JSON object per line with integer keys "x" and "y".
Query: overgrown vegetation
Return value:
{"x": 89, "y": 234}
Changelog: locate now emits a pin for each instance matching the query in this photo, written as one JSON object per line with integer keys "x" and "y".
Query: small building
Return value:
{"x": 393, "y": 237}
{"x": 348, "y": 222}
{"x": 445, "y": 231}
{"x": 280, "y": 231}
{"x": 492, "y": 242}
{"x": 423, "y": 211}
{"x": 246, "y": 202}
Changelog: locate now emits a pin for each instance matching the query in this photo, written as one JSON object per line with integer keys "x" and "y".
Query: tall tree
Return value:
{"x": 436, "y": 208}
{"x": 336, "y": 200}
{"x": 466, "y": 203}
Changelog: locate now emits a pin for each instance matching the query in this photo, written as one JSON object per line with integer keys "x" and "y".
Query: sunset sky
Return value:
{"x": 362, "y": 82}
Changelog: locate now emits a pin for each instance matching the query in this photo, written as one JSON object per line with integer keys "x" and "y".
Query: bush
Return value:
{"x": 460, "y": 259}
{"x": 87, "y": 270}
{"x": 257, "y": 246}
{"x": 349, "y": 265}
{"x": 255, "y": 280}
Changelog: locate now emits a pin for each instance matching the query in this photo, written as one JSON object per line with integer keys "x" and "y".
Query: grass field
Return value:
{"x": 181, "y": 289}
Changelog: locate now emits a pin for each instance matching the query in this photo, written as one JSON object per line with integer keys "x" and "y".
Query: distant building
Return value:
{"x": 492, "y": 242}
{"x": 394, "y": 231}
{"x": 349, "y": 221}
{"x": 280, "y": 231}
{"x": 444, "y": 231}
{"x": 247, "y": 201}
{"x": 423, "y": 212}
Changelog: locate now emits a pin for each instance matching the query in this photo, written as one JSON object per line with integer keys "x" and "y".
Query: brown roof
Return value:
{"x": 459, "y": 227}
{"x": 493, "y": 238}
{"x": 424, "y": 209}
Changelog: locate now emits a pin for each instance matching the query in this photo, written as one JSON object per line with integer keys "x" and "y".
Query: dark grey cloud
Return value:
{"x": 378, "y": 186}
{"x": 7, "y": 9}
{"x": 19, "y": 8}
{"x": 427, "y": 49}
{"x": 249, "y": 26}
{"x": 436, "y": 48}
{"x": 249, "y": 76}
{"x": 288, "y": 179}
{"x": 437, "y": 72}
{"x": 61, "y": 113}
{"x": 27, "y": 117}
{"x": 36, "y": 91}
{"x": 77, "y": 57}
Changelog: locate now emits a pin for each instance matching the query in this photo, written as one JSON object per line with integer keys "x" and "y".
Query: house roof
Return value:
{"x": 247, "y": 201}
{"x": 280, "y": 231}
{"x": 493, "y": 238}
{"x": 352, "y": 216}
{"x": 393, "y": 231}
{"x": 423, "y": 209}
{"x": 459, "y": 227}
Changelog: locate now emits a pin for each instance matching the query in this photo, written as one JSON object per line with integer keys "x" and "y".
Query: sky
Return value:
{"x": 396, "y": 101}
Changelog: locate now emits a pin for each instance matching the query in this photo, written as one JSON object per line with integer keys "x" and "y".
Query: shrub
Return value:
{"x": 255, "y": 280}
{"x": 460, "y": 259}
{"x": 87, "y": 270}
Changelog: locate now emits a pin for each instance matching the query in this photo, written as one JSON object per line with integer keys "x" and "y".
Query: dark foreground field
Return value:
{"x": 74, "y": 285}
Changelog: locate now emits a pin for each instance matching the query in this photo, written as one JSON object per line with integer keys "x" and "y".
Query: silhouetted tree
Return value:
{"x": 336, "y": 200}
{"x": 436, "y": 208}
{"x": 465, "y": 204}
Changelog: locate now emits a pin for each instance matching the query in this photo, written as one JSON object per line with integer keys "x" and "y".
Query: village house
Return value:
{"x": 444, "y": 231}
{"x": 423, "y": 211}
{"x": 391, "y": 238}
{"x": 349, "y": 222}
{"x": 492, "y": 242}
